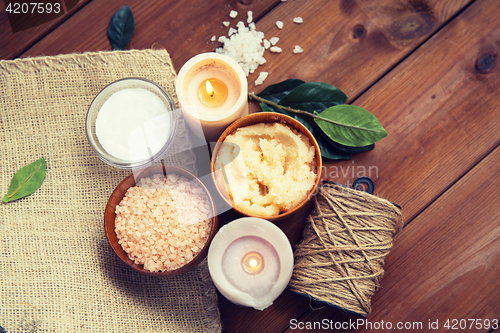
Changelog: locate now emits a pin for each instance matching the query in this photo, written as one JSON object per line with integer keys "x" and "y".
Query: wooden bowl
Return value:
{"x": 265, "y": 117}
{"x": 117, "y": 196}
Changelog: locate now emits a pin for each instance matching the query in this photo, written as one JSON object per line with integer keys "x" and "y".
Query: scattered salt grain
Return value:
{"x": 222, "y": 39}
{"x": 279, "y": 24}
{"x": 276, "y": 49}
{"x": 233, "y": 14}
{"x": 274, "y": 40}
{"x": 298, "y": 49}
{"x": 298, "y": 20}
{"x": 225, "y": 23}
{"x": 261, "y": 78}
{"x": 267, "y": 44}
{"x": 250, "y": 16}
{"x": 231, "y": 32}
{"x": 213, "y": 39}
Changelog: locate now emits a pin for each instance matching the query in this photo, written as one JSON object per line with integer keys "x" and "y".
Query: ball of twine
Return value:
{"x": 346, "y": 239}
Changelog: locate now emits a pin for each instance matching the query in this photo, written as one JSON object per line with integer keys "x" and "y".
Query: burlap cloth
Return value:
{"x": 57, "y": 272}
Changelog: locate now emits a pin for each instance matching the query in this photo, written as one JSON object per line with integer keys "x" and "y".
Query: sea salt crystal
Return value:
{"x": 267, "y": 44}
{"x": 279, "y": 24}
{"x": 233, "y": 14}
{"x": 250, "y": 16}
{"x": 231, "y": 32}
{"x": 214, "y": 38}
{"x": 261, "y": 78}
{"x": 274, "y": 40}
{"x": 298, "y": 49}
{"x": 298, "y": 19}
{"x": 226, "y": 23}
{"x": 276, "y": 49}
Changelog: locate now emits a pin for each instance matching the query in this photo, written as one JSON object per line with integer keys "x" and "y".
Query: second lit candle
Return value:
{"x": 212, "y": 92}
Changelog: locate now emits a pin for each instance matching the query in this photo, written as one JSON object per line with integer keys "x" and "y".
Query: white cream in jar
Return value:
{"x": 133, "y": 124}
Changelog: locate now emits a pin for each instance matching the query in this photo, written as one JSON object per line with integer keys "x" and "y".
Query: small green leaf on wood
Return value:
{"x": 121, "y": 28}
{"x": 26, "y": 180}
{"x": 354, "y": 126}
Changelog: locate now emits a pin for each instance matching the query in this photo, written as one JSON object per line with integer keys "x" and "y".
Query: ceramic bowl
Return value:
{"x": 117, "y": 196}
{"x": 265, "y": 117}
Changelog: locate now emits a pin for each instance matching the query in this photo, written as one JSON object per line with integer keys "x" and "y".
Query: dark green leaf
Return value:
{"x": 352, "y": 150}
{"x": 324, "y": 143}
{"x": 276, "y": 92}
{"x": 313, "y": 96}
{"x": 26, "y": 181}
{"x": 358, "y": 126}
{"x": 120, "y": 28}
{"x": 329, "y": 151}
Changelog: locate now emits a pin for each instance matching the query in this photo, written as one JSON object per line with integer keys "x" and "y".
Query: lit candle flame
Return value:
{"x": 253, "y": 263}
{"x": 210, "y": 89}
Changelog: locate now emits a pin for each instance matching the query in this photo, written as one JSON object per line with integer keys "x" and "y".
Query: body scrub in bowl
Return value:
{"x": 163, "y": 224}
{"x": 267, "y": 165}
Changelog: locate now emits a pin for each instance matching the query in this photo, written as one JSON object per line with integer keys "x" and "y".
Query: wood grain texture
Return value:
{"x": 14, "y": 44}
{"x": 348, "y": 43}
{"x": 438, "y": 271}
{"x": 440, "y": 111}
{"x": 439, "y": 106}
{"x": 446, "y": 94}
{"x": 457, "y": 271}
{"x": 184, "y": 28}
{"x": 424, "y": 145}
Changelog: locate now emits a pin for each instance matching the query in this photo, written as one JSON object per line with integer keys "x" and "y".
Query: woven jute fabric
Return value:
{"x": 346, "y": 239}
{"x": 57, "y": 271}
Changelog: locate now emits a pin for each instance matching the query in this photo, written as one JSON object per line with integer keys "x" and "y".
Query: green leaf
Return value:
{"x": 352, "y": 150}
{"x": 356, "y": 126}
{"x": 324, "y": 143}
{"x": 26, "y": 180}
{"x": 276, "y": 92}
{"x": 329, "y": 151}
{"x": 120, "y": 28}
{"x": 312, "y": 96}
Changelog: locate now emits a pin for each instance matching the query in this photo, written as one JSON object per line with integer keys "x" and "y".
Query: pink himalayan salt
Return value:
{"x": 163, "y": 222}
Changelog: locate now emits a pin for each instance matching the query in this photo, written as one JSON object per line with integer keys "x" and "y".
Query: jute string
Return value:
{"x": 346, "y": 239}
{"x": 57, "y": 272}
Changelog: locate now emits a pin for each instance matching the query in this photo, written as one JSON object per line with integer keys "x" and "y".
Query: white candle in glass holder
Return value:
{"x": 212, "y": 90}
{"x": 251, "y": 262}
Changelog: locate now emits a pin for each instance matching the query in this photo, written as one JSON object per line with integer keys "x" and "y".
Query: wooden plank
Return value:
{"x": 457, "y": 271}
{"x": 349, "y": 43}
{"x": 442, "y": 112}
{"x": 13, "y": 44}
{"x": 158, "y": 24}
{"x": 438, "y": 272}
{"x": 314, "y": 67}
{"x": 440, "y": 109}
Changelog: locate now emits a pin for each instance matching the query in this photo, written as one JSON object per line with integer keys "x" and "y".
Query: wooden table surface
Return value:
{"x": 425, "y": 68}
